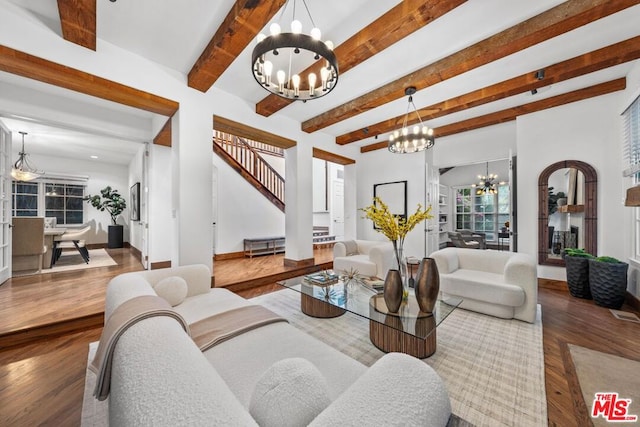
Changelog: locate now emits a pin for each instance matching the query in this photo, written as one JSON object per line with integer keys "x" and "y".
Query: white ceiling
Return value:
{"x": 173, "y": 33}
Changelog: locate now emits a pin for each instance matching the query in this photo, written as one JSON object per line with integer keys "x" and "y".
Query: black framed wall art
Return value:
{"x": 135, "y": 202}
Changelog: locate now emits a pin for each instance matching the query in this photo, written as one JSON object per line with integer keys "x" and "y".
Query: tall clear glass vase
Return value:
{"x": 404, "y": 273}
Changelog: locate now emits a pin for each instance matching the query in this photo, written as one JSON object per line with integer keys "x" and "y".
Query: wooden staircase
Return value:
{"x": 244, "y": 157}
{"x": 321, "y": 237}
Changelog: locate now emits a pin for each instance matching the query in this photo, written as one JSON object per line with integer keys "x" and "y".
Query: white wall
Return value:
{"x": 382, "y": 166}
{"x": 100, "y": 175}
{"x": 243, "y": 212}
{"x": 481, "y": 145}
{"x": 589, "y": 131}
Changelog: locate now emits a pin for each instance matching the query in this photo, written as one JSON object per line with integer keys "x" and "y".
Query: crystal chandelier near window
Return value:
{"x": 22, "y": 170}
{"x": 288, "y": 54}
{"x": 487, "y": 184}
{"x": 418, "y": 138}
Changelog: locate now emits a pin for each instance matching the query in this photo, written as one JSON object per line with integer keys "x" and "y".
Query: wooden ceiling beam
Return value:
{"x": 397, "y": 23}
{"x": 606, "y": 57}
{"x": 563, "y": 18}
{"x": 511, "y": 114}
{"x": 239, "y": 28}
{"x": 239, "y": 129}
{"x": 332, "y": 157}
{"x": 25, "y": 65}
{"x": 78, "y": 22}
{"x": 164, "y": 136}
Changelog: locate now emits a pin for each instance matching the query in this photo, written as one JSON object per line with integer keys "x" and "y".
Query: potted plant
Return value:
{"x": 608, "y": 281}
{"x": 577, "y": 263}
{"x": 111, "y": 201}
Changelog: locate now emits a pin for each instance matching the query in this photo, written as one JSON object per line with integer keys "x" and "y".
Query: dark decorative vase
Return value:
{"x": 578, "y": 276}
{"x": 427, "y": 285}
{"x": 116, "y": 233}
{"x": 608, "y": 283}
{"x": 393, "y": 290}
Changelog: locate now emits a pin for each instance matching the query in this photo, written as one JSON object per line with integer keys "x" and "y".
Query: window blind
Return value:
{"x": 631, "y": 148}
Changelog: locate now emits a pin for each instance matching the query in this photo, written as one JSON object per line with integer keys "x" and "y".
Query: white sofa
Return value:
{"x": 369, "y": 258}
{"x": 161, "y": 378}
{"x": 501, "y": 284}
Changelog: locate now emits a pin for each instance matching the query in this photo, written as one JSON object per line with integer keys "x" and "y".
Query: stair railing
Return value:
{"x": 248, "y": 157}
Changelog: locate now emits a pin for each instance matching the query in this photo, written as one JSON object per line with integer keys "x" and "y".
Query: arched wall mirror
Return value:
{"x": 571, "y": 222}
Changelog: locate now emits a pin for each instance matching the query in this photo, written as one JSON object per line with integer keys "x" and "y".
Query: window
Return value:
{"x": 49, "y": 199}
{"x": 631, "y": 161}
{"x": 25, "y": 198}
{"x": 485, "y": 213}
{"x": 64, "y": 201}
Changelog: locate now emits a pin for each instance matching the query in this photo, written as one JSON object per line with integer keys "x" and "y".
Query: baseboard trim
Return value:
{"x": 633, "y": 301}
{"x": 136, "y": 253}
{"x": 559, "y": 285}
{"x": 299, "y": 263}
{"x": 228, "y": 255}
{"x": 160, "y": 264}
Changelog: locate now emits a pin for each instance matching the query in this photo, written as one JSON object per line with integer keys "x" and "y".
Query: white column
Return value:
{"x": 192, "y": 172}
{"x": 299, "y": 203}
{"x": 350, "y": 202}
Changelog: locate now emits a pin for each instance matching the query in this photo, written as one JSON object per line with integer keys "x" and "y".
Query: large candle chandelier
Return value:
{"x": 418, "y": 138}
{"x": 278, "y": 58}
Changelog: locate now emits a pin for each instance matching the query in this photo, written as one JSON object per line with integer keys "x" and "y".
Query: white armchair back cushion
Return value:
{"x": 471, "y": 259}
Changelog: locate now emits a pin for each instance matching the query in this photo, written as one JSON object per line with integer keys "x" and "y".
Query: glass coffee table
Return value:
{"x": 409, "y": 331}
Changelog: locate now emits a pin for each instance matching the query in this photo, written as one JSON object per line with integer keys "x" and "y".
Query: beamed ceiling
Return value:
{"x": 475, "y": 63}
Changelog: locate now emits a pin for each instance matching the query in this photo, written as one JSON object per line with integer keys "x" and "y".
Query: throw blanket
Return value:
{"x": 124, "y": 316}
{"x": 223, "y": 326}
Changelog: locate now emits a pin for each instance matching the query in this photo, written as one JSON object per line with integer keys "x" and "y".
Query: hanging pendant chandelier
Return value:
{"x": 418, "y": 138}
{"x": 22, "y": 170}
{"x": 487, "y": 183}
{"x": 278, "y": 59}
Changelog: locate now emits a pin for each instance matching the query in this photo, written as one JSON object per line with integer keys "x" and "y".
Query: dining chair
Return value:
{"x": 71, "y": 239}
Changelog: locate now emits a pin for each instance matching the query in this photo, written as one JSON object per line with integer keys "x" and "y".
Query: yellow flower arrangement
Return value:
{"x": 395, "y": 228}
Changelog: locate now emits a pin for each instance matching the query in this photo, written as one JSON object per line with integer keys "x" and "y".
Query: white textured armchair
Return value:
{"x": 370, "y": 258}
{"x": 501, "y": 284}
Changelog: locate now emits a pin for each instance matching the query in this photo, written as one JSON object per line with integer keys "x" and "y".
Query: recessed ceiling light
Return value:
{"x": 94, "y": 157}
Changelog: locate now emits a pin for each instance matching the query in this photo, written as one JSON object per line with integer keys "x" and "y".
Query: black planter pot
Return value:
{"x": 116, "y": 233}
{"x": 608, "y": 283}
{"x": 578, "y": 276}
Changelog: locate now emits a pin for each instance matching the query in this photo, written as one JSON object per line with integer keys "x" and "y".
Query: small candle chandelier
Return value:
{"x": 287, "y": 54}
{"x": 22, "y": 170}
{"x": 487, "y": 184}
{"x": 406, "y": 140}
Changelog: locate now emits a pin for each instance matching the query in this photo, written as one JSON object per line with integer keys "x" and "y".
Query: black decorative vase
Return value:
{"x": 393, "y": 290}
{"x": 608, "y": 283}
{"x": 116, "y": 233}
{"x": 578, "y": 276}
{"x": 427, "y": 285}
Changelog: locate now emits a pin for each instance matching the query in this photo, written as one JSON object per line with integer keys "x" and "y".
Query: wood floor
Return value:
{"x": 41, "y": 383}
